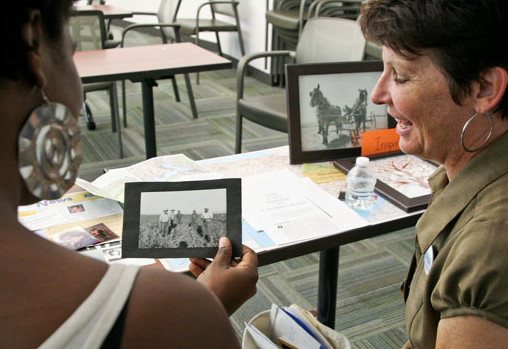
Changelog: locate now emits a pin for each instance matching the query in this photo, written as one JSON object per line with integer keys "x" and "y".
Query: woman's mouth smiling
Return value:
{"x": 403, "y": 127}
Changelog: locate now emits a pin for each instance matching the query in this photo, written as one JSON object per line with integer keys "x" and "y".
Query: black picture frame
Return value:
{"x": 145, "y": 237}
{"x": 340, "y": 83}
{"x": 396, "y": 197}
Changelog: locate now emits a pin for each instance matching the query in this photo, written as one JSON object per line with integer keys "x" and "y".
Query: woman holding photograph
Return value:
{"x": 53, "y": 297}
{"x": 445, "y": 82}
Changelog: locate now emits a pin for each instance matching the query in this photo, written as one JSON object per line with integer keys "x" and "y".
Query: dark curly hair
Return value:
{"x": 13, "y": 62}
{"x": 463, "y": 37}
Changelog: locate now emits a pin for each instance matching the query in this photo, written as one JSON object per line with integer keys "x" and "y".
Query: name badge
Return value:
{"x": 428, "y": 259}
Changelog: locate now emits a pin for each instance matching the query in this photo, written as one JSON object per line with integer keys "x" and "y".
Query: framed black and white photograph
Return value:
{"x": 401, "y": 178}
{"x": 329, "y": 109}
{"x": 181, "y": 219}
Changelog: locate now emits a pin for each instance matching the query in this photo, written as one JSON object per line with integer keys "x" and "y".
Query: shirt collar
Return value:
{"x": 450, "y": 198}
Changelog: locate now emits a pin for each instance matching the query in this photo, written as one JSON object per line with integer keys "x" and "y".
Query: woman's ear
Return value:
{"x": 492, "y": 86}
{"x": 32, "y": 35}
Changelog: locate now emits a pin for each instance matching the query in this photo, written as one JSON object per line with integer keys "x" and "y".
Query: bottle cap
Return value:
{"x": 362, "y": 161}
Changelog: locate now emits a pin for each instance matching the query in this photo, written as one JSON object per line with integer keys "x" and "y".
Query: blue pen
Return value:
{"x": 304, "y": 326}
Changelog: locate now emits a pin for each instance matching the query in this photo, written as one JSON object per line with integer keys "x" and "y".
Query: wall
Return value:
{"x": 252, "y": 18}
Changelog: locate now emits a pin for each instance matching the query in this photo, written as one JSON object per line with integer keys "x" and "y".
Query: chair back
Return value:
{"x": 88, "y": 30}
{"x": 286, "y": 5}
{"x": 326, "y": 39}
{"x": 167, "y": 12}
{"x": 335, "y": 8}
{"x": 224, "y": 9}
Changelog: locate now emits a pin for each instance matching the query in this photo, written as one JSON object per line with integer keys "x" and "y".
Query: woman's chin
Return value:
{"x": 408, "y": 147}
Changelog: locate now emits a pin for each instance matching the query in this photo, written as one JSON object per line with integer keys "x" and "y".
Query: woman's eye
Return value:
{"x": 398, "y": 79}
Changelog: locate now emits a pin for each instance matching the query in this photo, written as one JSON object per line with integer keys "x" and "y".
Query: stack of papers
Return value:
{"x": 290, "y": 327}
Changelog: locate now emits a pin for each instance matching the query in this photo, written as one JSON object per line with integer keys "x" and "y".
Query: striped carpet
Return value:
{"x": 370, "y": 309}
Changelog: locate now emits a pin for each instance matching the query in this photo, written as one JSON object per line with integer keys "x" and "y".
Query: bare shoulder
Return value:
{"x": 170, "y": 310}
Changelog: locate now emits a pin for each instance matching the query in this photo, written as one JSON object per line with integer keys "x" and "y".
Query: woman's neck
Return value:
{"x": 454, "y": 164}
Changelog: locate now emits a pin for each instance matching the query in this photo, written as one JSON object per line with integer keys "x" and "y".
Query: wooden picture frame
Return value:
{"x": 329, "y": 108}
{"x": 401, "y": 178}
{"x": 147, "y": 234}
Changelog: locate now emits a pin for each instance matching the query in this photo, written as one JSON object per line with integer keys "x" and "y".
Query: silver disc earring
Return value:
{"x": 49, "y": 150}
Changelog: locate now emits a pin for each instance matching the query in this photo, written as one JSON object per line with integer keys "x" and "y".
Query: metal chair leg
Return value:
{"x": 191, "y": 96}
{"x": 116, "y": 117}
{"x": 238, "y": 138}
{"x": 124, "y": 104}
{"x": 112, "y": 98}
{"x": 175, "y": 88}
{"x": 87, "y": 113}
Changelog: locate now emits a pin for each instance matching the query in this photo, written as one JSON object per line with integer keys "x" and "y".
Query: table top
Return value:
{"x": 108, "y": 10}
{"x": 142, "y": 62}
{"x": 385, "y": 219}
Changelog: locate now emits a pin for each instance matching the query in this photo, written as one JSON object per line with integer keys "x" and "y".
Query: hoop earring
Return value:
{"x": 469, "y": 150}
{"x": 49, "y": 150}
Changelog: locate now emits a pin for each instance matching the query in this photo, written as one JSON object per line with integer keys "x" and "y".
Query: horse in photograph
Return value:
{"x": 326, "y": 113}
{"x": 359, "y": 110}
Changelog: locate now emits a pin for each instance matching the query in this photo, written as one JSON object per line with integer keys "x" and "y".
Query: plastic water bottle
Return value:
{"x": 360, "y": 185}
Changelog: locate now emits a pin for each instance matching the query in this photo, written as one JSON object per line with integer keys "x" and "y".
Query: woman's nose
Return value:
{"x": 380, "y": 93}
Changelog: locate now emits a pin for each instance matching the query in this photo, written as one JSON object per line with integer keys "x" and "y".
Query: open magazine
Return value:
{"x": 291, "y": 327}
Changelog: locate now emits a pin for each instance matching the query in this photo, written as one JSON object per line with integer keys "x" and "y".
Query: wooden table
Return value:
{"x": 146, "y": 64}
{"x": 110, "y": 12}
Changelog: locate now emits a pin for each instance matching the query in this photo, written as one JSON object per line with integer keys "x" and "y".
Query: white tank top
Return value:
{"x": 92, "y": 321}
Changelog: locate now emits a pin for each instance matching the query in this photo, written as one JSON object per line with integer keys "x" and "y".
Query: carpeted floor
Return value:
{"x": 370, "y": 309}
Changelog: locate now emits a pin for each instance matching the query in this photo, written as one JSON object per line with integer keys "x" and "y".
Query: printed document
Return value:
{"x": 290, "y": 209}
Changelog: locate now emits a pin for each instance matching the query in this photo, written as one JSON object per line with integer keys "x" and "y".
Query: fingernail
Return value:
{"x": 223, "y": 242}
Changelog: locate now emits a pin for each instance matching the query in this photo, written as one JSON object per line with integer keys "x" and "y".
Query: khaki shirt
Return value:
{"x": 463, "y": 240}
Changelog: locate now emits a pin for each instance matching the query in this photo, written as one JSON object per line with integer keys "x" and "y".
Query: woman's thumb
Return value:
{"x": 223, "y": 256}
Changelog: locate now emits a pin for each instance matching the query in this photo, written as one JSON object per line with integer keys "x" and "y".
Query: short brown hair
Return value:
{"x": 463, "y": 37}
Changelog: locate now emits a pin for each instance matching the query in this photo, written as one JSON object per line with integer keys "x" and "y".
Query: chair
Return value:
{"x": 88, "y": 30}
{"x": 288, "y": 18}
{"x": 108, "y": 25}
{"x": 323, "y": 39}
{"x": 169, "y": 32}
{"x": 225, "y": 8}
{"x": 349, "y": 9}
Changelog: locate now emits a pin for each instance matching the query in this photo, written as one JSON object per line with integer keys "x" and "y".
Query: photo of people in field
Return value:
{"x": 182, "y": 219}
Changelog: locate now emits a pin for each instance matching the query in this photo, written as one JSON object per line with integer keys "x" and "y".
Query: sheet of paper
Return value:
{"x": 159, "y": 169}
{"x": 296, "y": 313}
{"x": 283, "y": 326}
{"x": 256, "y": 239}
{"x": 261, "y": 340}
{"x": 341, "y": 214}
{"x": 290, "y": 209}
{"x": 322, "y": 172}
{"x": 69, "y": 209}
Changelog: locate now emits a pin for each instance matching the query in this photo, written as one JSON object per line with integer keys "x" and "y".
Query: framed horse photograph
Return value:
{"x": 329, "y": 109}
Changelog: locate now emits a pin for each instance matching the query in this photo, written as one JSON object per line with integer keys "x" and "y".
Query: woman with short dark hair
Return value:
{"x": 445, "y": 82}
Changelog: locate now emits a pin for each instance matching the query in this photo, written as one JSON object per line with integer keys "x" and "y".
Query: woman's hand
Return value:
{"x": 232, "y": 282}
